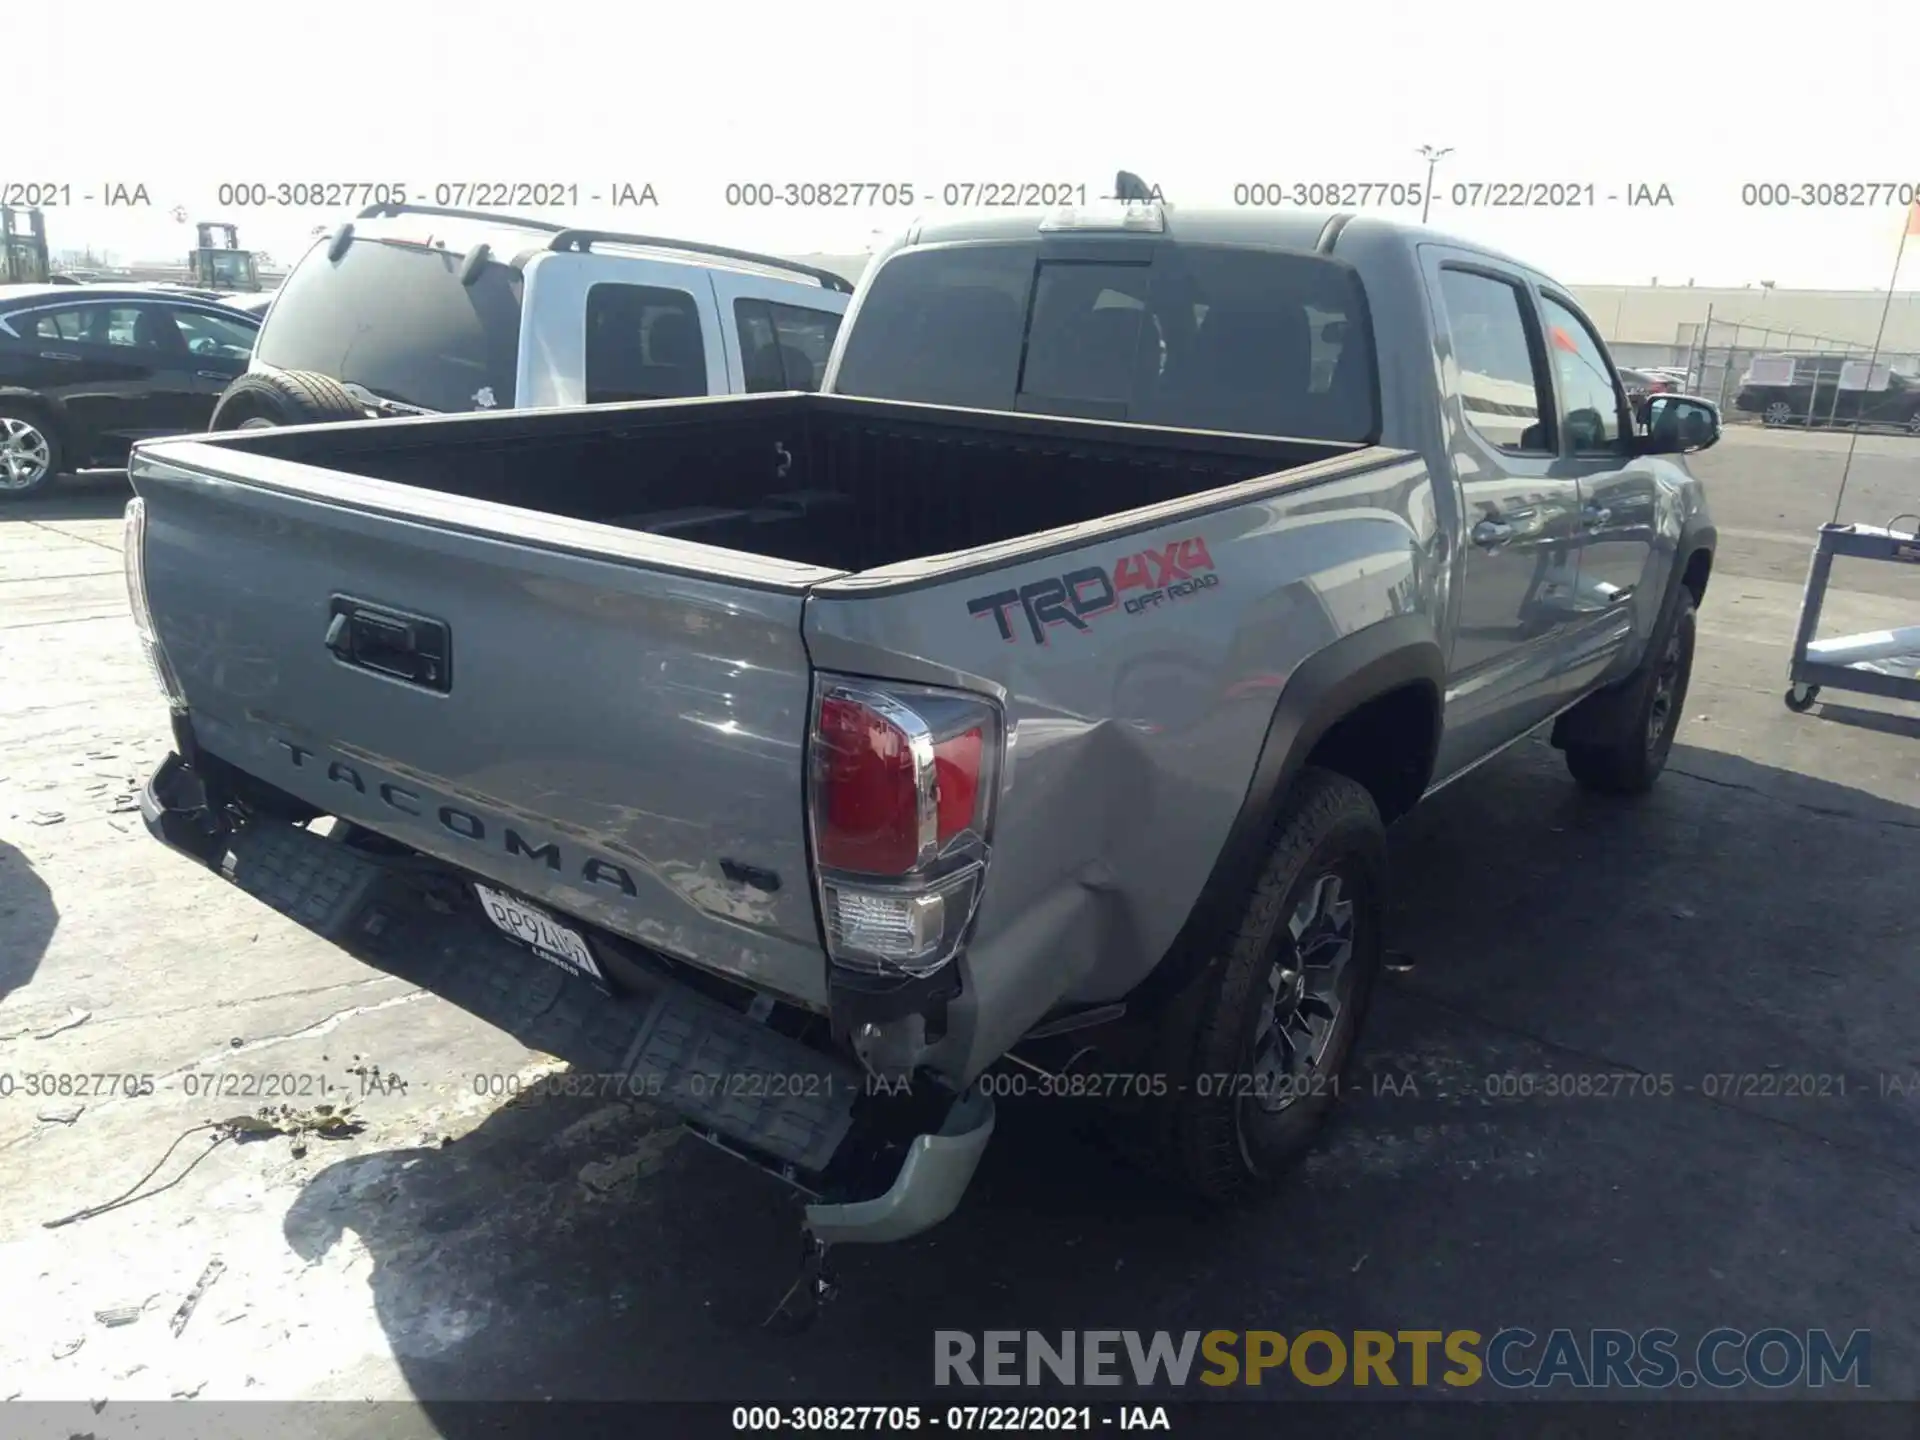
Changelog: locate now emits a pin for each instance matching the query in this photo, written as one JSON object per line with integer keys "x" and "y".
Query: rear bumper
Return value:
{"x": 803, "y": 1114}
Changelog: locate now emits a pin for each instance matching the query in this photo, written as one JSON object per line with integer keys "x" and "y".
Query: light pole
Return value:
{"x": 1434, "y": 157}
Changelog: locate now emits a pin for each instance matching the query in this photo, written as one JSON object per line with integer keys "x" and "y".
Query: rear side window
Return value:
{"x": 394, "y": 319}
{"x": 51, "y": 325}
{"x": 783, "y": 347}
{"x": 643, "y": 343}
{"x": 1500, "y": 385}
{"x": 1203, "y": 337}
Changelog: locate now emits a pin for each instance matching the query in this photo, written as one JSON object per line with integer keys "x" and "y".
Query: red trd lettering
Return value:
{"x": 1131, "y": 574}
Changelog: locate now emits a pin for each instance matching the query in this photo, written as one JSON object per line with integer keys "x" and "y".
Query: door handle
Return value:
{"x": 1492, "y": 533}
{"x": 414, "y": 648}
{"x": 213, "y": 375}
{"x": 58, "y": 355}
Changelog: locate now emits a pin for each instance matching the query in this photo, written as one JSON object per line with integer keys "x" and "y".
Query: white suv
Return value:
{"x": 413, "y": 310}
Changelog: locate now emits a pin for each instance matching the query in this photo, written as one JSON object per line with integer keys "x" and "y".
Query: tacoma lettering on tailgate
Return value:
{"x": 463, "y": 824}
{"x": 1160, "y": 576}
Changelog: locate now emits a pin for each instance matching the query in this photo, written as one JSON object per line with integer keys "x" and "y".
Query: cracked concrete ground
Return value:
{"x": 1755, "y": 917}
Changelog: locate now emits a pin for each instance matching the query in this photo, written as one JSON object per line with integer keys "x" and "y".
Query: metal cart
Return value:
{"x": 1878, "y": 662}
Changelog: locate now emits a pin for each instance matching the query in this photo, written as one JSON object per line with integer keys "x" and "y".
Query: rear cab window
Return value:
{"x": 1209, "y": 337}
{"x": 392, "y": 317}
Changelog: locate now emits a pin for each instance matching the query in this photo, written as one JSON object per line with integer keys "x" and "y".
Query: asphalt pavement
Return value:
{"x": 1747, "y": 932}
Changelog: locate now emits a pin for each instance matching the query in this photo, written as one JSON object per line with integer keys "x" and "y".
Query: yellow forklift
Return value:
{"x": 218, "y": 262}
{"x": 23, "y": 247}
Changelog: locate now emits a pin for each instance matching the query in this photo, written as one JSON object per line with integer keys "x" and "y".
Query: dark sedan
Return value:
{"x": 87, "y": 371}
{"x": 1822, "y": 390}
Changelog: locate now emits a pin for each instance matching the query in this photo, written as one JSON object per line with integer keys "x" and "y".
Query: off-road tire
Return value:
{"x": 1630, "y": 761}
{"x": 290, "y": 397}
{"x": 1199, "y": 1134}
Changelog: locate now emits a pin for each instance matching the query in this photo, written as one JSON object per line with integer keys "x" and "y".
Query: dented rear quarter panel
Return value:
{"x": 1132, "y": 731}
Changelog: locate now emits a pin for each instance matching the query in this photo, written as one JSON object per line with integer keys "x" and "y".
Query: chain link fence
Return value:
{"x": 1827, "y": 384}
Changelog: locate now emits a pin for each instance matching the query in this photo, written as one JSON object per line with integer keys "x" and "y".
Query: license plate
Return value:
{"x": 541, "y": 933}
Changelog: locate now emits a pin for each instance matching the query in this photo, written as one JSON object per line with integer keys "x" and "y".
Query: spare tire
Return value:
{"x": 284, "y": 397}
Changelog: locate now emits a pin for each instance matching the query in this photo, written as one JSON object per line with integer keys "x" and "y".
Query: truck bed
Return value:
{"x": 824, "y": 481}
{"x": 585, "y": 708}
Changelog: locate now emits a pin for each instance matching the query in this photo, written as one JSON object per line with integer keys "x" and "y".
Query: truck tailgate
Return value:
{"x": 530, "y": 698}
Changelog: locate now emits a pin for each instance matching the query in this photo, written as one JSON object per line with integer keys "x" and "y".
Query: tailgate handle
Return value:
{"x": 401, "y": 646}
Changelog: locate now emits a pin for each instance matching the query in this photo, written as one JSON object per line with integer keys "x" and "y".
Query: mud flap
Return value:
{"x": 1602, "y": 716}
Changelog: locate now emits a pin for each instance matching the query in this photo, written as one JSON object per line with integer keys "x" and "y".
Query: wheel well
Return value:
{"x": 25, "y": 402}
{"x": 1699, "y": 568}
{"x": 1387, "y": 744}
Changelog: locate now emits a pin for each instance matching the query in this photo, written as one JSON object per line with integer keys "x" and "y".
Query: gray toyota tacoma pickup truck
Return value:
{"x": 1035, "y": 694}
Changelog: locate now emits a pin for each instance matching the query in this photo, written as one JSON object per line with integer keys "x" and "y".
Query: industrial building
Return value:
{"x": 1637, "y": 319}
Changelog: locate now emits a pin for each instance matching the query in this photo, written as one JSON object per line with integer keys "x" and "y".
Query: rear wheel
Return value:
{"x": 1254, "y": 1049}
{"x": 29, "y": 453}
{"x": 263, "y": 399}
{"x": 1778, "y": 413}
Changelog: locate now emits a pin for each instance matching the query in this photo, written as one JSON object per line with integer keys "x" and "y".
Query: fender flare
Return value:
{"x": 1323, "y": 689}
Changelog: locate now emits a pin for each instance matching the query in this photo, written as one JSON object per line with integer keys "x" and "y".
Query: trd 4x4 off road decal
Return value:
{"x": 1160, "y": 576}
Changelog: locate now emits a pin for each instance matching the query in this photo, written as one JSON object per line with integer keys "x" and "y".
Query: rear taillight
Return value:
{"x": 902, "y": 787}
{"x": 133, "y": 557}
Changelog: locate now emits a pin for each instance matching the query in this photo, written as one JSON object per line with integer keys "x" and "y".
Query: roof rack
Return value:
{"x": 388, "y": 210}
{"x": 581, "y": 241}
{"x": 584, "y": 240}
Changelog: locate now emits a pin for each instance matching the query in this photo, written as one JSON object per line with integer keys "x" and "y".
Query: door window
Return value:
{"x": 643, "y": 343}
{"x": 132, "y": 327}
{"x": 1589, "y": 397}
{"x": 214, "y": 336}
{"x": 783, "y": 347}
{"x": 1502, "y": 389}
{"x": 84, "y": 324}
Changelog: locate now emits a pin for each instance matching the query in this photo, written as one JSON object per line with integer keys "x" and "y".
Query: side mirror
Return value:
{"x": 1677, "y": 424}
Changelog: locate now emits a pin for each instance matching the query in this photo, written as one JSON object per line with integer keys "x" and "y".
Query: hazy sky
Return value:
{"x": 1196, "y": 97}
